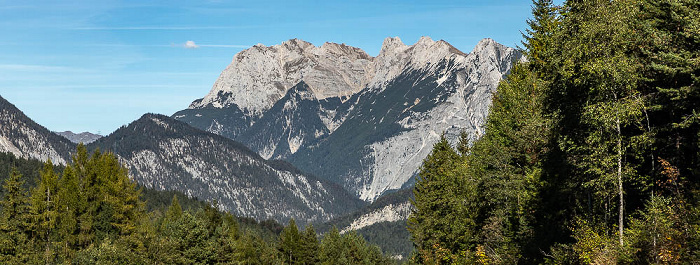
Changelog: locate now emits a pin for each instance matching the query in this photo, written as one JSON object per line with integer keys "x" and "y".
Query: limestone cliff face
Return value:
{"x": 363, "y": 122}
{"x": 260, "y": 76}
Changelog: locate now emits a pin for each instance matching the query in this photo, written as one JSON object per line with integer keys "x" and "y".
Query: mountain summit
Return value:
{"x": 363, "y": 122}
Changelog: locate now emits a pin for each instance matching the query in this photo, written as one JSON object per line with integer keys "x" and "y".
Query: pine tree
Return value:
{"x": 309, "y": 247}
{"x": 290, "y": 242}
{"x": 463, "y": 144}
{"x": 69, "y": 206}
{"x": 669, "y": 50}
{"x": 331, "y": 248}
{"x": 538, "y": 38}
{"x": 45, "y": 212}
{"x": 14, "y": 227}
{"x": 174, "y": 211}
{"x": 120, "y": 194}
{"x": 437, "y": 223}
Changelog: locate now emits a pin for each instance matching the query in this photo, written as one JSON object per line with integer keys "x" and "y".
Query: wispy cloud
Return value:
{"x": 192, "y": 45}
{"x": 167, "y": 27}
{"x": 37, "y": 68}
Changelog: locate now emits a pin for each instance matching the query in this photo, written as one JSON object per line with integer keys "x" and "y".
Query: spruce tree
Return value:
{"x": 290, "y": 243}
{"x": 174, "y": 211}
{"x": 15, "y": 247}
{"x": 437, "y": 226}
{"x": 45, "y": 211}
{"x": 309, "y": 247}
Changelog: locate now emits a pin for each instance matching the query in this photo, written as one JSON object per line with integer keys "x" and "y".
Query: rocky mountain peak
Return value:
{"x": 298, "y": 44}
{"x": 372, "y": 118}
{"x": 424, "y": 41}
{"x": 391, "y": 44}
{"x": 261, "y": 75}
{"x": 488, "y": 45}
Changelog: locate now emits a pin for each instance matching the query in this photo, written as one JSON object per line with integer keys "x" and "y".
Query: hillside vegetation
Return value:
{"x": 92, "y": 213}
{"x": 592, "y": 147}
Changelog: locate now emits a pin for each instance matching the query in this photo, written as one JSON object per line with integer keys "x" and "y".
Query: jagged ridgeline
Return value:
{"x": 360, "y": 121}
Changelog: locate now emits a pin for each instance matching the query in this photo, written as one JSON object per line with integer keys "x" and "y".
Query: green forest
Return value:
{"x": 90, "y": 212}
{"x": 591, "y": 153}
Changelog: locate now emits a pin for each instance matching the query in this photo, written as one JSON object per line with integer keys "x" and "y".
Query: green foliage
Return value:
{"x": 392, "y": 237}
{"x": 14, "y": 221}
{"x": 441, "y": 222}
{"x": 349, "y": 248}
{"x": 592, "y": 147}
{"x": 93, "y": 214}
{"x": 290, "y": 246}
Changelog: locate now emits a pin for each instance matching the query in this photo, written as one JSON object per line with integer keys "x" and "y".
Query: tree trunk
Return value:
{"x": 619, "y": 181}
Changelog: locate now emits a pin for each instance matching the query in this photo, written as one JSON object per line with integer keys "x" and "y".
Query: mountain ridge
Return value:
{"x": 25, "y": 138}
{"x": 166, "y": 154}
{"x": 375, "y": 137}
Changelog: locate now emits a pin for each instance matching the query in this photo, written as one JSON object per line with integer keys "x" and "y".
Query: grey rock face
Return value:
{"x": 380, "y": 115}
{"x": 24, "y": 138}
{"x": 167, "y": 154}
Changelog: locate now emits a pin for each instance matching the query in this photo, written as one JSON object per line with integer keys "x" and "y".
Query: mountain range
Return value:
{"x": 301, "y": 131}
{"x": 363, "y": 122}
{"x": 165, "y": 154}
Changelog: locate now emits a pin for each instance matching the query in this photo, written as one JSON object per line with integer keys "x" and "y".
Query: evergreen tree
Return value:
{"x": 15, "y": 247}
{"x": 538, "y": 38}
{"x": 508, "y": 164}
{"x": 309, "y": 247}
{"x": 93, "y": 215}
{"x": 290, "y": 243}
{"x": 45, "y": 212}
{"x": 437, "y": 223}
{"x": 669, "y": 51}
{"x": 331, "y": 248}
{"x": 463, "y": 144}
{"x": 69, "y": 206}
{"x": 174, "y": 211}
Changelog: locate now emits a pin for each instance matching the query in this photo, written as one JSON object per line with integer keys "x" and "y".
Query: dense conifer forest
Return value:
{"x": 90, "y": 212}
{"x": 591, "y": 153}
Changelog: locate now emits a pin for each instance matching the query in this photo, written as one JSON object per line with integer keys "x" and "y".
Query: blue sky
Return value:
{"x": 97, "y": 65}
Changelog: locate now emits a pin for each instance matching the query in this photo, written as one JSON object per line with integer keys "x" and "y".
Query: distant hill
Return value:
{"x": 83, "y": 137}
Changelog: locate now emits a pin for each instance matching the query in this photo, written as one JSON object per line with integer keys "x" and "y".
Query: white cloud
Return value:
{"x": 190, "y": 45}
